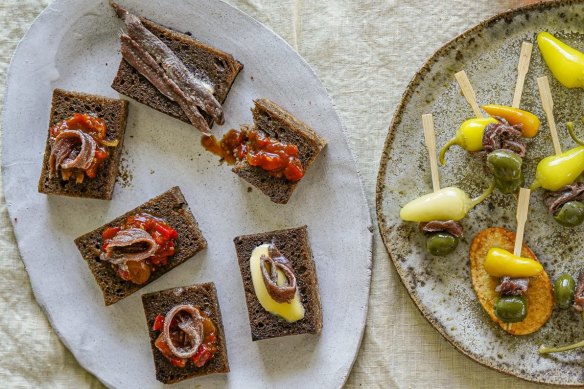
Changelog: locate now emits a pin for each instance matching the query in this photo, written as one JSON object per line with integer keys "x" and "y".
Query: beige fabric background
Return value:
{"x": 365, "y": 52}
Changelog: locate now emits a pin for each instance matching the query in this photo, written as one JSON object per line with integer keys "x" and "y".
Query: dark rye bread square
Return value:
{"x": 170, "y": 206}
{"x": 294, "y": 245}
{"x": 115, "y": 113}
{"x": 212, "y": 64}
{"x": 277, "y": 123}
{"x": 203, "y": 296}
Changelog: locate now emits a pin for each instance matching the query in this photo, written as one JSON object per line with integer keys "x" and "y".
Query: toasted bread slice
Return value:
{"x": 277, "y": 123}
{"x": 295, "y": 245}
{"x": 170, "y": 206}
{"x": 540, "y": 297}
{"x": 114, "y": 112}
{"x": 203, "y": 296}
{"x": 219, "y": 67}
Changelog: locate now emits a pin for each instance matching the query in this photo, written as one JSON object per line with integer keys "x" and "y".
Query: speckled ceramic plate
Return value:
{"x": 74, "y": 44}
{"x": 441, "y": 287}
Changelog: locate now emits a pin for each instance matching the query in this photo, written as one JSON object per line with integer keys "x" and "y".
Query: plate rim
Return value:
{"x": 396, "y": 121}
{"x": 363, "y": 198}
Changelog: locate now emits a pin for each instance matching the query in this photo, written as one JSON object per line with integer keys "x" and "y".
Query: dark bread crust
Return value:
{"x": 294, "y": 244}
{"x": 279, "y": 124}
{"x": 218, "y": 67}
{"x": 170, "y": 206}
{"x": 160, "y": 303}
{"x": 115, "y": 113}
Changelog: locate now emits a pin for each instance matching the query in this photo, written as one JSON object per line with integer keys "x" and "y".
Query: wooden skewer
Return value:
{"x": 430, "y": 138}
{"x": 468, "y": 92}
{"x": 522, "y": 69}
{"x": 548, "y": 107}
{"x": 522, "y": 207}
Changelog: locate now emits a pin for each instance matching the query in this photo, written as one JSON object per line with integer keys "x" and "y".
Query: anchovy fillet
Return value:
{"x": 193, "y": 90}
{"x": 503, "y": 136}
{"x": 512, "y": 286}
{"x": 554, "y": 200}
{"x": 64, "y": 153}
{"x": 450, "y": 226}
{"x": 147, "y": 66}
{"x": 190, "y": 322}
{"x": 133, "y": 244}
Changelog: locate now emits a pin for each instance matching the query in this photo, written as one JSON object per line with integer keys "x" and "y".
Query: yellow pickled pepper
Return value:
{"x": 501, "y": 263}
{"x": 565, "y": 62}
{"x": 469, "y": 136}
{"x": 449, "y": 203}
{"x": 556, "y": 171}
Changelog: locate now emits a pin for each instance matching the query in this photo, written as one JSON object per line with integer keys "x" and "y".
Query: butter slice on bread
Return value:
{"x": 294, "y": 245}
{"x": 539, "y": 296}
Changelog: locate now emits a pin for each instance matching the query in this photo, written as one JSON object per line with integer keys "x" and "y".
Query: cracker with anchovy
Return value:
{"x": 539, "y": 295}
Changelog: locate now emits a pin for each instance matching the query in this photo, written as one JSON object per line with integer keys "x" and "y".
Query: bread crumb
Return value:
{"x": 125, "y": 175}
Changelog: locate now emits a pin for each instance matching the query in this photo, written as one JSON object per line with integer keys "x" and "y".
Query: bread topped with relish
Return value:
{"x": 177, "y": 356}
{"x": 84, "y": 145}
{"x": 140, "y": 246}
{"x": 274, "y": 154}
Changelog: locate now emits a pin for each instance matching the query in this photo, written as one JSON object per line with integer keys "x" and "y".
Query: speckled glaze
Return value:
{"x": 441, "y": 287}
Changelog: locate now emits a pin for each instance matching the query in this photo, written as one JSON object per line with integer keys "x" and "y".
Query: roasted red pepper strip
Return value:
{"x": 158, "y": 323}
{"x": 167, "y": 232}
{"x": 178, "y": 362}
{"x": 110, "y": 232}
{"x": 204, "y": 353}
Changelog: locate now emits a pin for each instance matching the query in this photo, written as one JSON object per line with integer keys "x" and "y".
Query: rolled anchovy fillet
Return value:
{"x": 554, "y": 200}
{"x": 190, "y": 322}
{"x": 72, "y": 149}
{"x": 133, "y": 244}
{"x": 197, "y": 91}
{"x": 450, "y": 226}
{"x": 512, "y": 286}
{"x": 503, "y": 136}
{"x": 277, "y": 261}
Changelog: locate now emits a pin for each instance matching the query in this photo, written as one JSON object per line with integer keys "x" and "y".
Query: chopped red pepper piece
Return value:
{"x": 278, "y": 158}
{"x": 178, "y": 362}
{"x": 110, "y": 232}
{"x": 166, "y": 231}
{"x": 158, "y": 261}
{"x": 158, "y": 323}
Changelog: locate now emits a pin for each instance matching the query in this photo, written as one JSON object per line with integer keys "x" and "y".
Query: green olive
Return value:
{"x": 571, "y": 214}
{"x": 505, "y": 164}
{"x": 509, "y": 186}
{"x": 564, "y": 290}
{"x": 511, "y": 309}
{"x": 441, "y": 243}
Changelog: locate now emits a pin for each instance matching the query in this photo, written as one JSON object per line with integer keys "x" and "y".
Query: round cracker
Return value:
{"x": 540, "y": 297}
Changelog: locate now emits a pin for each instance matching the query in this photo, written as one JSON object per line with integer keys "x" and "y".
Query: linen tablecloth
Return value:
{"x": 365, "y": 52}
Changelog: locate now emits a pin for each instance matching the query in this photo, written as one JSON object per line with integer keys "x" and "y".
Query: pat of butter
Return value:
{"x": 290, "y": 311}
